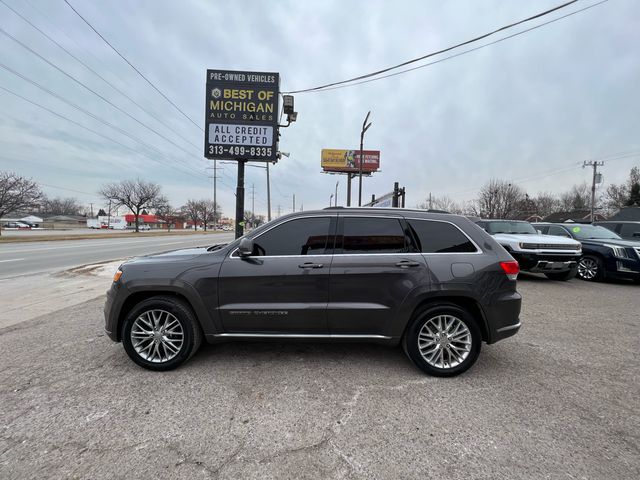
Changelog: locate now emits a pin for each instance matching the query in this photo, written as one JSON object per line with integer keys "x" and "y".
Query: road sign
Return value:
{"x": 334, "y": 160}
{"x": 241, "y": 115}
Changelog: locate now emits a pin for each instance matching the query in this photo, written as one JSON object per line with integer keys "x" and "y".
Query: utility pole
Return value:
{"x": 91, "y": 209}
{"x": 253, "y": 205}
{"x": 215, "y": 169}
{"x": 279, "y": 210}
{"x": 109, "y": 216}
{"x": 365, "y": 127}
{"x": 595, "y": 166}
{"x": 268, "y": 195}
{"x": 240, "y": 200}
{"x": 294, "y": 203}
{"x": 430, "y": 202}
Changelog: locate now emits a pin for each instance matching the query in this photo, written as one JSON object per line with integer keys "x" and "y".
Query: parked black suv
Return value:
{"x": 436, "y": 283}
{"x": 604, "y": 253}
{"x": 628, "y": 230}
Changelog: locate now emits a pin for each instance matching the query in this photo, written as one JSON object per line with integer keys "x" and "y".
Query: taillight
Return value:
{"x": 511, "y": 269}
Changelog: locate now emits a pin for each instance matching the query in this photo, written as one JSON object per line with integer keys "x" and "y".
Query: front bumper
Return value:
{"x": 112, "y": 307}
{"x": 546, "y": 263}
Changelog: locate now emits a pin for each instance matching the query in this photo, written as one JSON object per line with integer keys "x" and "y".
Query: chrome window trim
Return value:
{"x": 478, "y": 251}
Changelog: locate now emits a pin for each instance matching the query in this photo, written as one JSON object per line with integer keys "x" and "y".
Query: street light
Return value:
{"x": 365, "y": 127}
{"x": 330, "y": 199}
{"x": 337, "y": 183}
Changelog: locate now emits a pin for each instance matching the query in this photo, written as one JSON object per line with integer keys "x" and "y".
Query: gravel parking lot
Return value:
{"x": 558, "y": 400}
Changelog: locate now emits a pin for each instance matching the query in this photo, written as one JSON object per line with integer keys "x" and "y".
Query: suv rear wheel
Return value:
{"x": 161, "y": 333}
{"x": 443, "y": 340}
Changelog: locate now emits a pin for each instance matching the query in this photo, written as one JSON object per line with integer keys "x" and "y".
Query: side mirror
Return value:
{"x": 245, "y": 249}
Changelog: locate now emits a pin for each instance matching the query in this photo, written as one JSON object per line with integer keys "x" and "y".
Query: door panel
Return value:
{"x": 372, "y": 272}
{"x": 284, "y": 286}
{"x": 274, "y": 294}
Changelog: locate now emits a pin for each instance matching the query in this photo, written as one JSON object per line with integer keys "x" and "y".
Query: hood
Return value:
{"x": 531, "y": 238}
{"x": 171, "y": 256}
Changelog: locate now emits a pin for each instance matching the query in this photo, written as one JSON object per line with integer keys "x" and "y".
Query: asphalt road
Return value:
{"x": 37, "y": 257}
{"x": 559, "y": 401}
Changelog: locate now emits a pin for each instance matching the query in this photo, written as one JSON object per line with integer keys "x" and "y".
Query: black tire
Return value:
{"x": 430, "y": 313}
{"x": 562, "y": 277}
{"x": 590, "y": 268}
{"x": 191, "y": 333}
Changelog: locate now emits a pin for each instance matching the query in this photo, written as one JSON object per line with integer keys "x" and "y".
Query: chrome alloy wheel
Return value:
{"x": 444, "y": 341}
{"x": 157, "y": 336}
{"x": 587, "y": 268}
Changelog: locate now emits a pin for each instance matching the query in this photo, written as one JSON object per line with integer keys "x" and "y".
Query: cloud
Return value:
{"x": 544, "y": 100}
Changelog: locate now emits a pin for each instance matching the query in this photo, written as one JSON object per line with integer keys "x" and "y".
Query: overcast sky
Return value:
{"x": 530, "y": 109}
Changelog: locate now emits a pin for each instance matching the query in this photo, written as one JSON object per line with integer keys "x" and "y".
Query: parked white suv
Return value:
{"x": 556, "y": 257}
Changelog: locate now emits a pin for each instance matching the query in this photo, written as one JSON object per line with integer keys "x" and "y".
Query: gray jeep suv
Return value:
{"x": 435, "y": 283}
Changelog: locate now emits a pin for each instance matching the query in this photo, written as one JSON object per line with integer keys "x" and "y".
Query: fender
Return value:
{"x": 424, "y": 294}
{"x": 152, "y": 286}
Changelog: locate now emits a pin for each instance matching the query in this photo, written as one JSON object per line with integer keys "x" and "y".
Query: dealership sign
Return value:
{"x": 333, "y": 160}
{"x": 241, "y": 115}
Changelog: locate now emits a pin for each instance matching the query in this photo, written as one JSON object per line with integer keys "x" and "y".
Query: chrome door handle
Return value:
{"x": 407, "y": 264}
{"x": 310, "y": 265}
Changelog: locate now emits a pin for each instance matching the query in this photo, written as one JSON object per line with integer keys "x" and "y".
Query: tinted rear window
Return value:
{"x": 373, "y": 235}
{"x": 440, "y": 237}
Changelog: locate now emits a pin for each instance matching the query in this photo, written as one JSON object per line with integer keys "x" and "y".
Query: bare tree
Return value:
{"x": 499, "y": 199}
{"x": 17, "y": 193}
{"x": 60, "y": 206}
{"x": 546, "y": 203}
{"x": 441, "y": 203}
{"x": 192, "y": 211}
{"x": 578, "y": 198}
{"x": 207, "y": 210}
{"x": 133, "y": 194}
{"x": 166, "y": 212}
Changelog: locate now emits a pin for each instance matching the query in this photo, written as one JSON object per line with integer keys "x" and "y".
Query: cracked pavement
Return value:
{"x": 558, "y": 400}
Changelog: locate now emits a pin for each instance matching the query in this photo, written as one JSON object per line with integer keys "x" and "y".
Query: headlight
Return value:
{"x": 618, "y": 251}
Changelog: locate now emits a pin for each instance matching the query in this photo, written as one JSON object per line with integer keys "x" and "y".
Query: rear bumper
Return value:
{"x": 503, "y": 316}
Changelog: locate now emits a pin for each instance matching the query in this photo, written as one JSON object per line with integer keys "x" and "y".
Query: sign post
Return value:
{"x": 241, "y": 122}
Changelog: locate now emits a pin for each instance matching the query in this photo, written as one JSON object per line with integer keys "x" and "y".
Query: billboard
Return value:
{"x": 241, "y": 120}
{"x": 333, "y": 160}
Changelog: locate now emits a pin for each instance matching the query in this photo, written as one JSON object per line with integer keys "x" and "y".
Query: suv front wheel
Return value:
{"x": 443, "y": 340}
{"x": 161, "y": 333}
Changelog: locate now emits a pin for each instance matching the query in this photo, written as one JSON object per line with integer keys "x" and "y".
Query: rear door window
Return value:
{"x": 558, "y": 231}
{"x": 373, "y": 235}
{"x": 630, "y": 230}
{"x": 440, "y": 237}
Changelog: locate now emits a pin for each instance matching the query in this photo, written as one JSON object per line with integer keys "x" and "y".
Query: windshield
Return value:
{"x": 506, "y": 226}
{"x": 587, "y": 232}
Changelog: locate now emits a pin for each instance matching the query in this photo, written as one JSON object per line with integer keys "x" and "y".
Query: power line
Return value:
{"x": 465, "y": 51}
{"x": 48, "y": 37}
{"x": 89, "y": 129}
{"x": 86, "y": 112}
{"x": 132, "y": 66}
{"x": 444, "y": 50}
{"x": 568, "y": 167}
{"x": 91, "y": 90}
